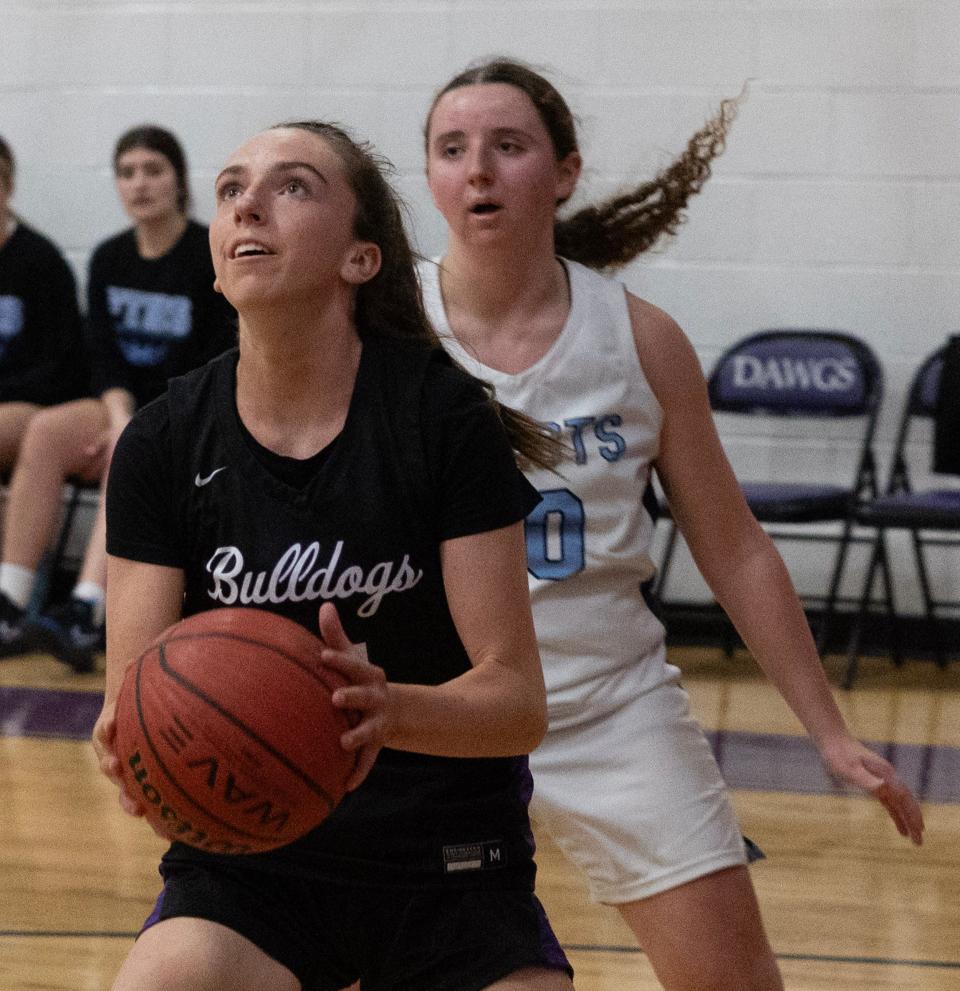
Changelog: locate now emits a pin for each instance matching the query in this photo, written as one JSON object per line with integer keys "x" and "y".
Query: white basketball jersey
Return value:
{"x": 588, "y": 542}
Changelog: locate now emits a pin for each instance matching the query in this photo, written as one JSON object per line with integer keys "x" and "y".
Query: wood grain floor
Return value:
{"x": 848, "y": 904}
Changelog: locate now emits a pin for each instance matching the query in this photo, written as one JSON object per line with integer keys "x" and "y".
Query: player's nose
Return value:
{"x": 249, "y": 205}
{"x": 479, "y": 165}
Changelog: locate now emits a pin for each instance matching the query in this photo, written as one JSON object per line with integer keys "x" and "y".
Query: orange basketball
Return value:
{"x": 227, "y": 735}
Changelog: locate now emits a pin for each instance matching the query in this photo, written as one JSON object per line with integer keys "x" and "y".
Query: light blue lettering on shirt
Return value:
{"x": 11, "y": 316}
{"x": 147, "y": 323}
{"x": 11, "y": 320}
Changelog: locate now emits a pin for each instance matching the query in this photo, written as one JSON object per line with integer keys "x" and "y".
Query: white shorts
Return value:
{"x": 635, "y": 798}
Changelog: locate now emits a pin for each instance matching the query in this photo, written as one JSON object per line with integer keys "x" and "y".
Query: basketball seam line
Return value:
{"x": 172, "y": 780}
{"x": 312, "y": 672}
{"x": 238, "y": 831}
{"x": 190, "y": 686}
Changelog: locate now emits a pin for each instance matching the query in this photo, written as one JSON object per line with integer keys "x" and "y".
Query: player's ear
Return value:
{"x": 568, "y": 172}
{"x": 362, "y": 262}
{"x": 216, "y": 286}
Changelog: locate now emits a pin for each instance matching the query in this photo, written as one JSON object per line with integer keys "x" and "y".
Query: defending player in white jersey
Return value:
{"x": 625, "y": 781}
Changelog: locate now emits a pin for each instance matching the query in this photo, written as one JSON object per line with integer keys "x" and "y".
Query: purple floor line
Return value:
{"x": 750, "y": 761}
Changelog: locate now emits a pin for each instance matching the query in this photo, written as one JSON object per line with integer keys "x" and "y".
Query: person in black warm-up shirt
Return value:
{"x": 41, "y": 352}
{"x": 152, "y": 314}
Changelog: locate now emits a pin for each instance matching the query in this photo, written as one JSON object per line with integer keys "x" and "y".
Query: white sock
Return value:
{"x": 16, "y": 583}
{"x": 96, "y": 595}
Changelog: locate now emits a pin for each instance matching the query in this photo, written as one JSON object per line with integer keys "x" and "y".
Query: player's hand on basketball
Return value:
{"x": 104, "y": 734}
{"x": 850, "y": 761}
{"x": 367, "y": 694}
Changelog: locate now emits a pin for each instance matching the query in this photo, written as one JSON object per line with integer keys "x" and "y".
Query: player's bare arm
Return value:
{"x": 498, "y": 707}
{"x": 144, "y": 600}
{"x": 737, "y": 558}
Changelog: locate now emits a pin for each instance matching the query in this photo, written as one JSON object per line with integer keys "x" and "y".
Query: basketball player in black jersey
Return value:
{"x": 338, "y": 461}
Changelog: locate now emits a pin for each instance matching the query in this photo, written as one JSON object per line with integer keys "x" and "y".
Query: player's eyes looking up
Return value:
{"x": 290, "y": 179}
{"x": 230, "y": 190}
{"x": 226, "y": 190}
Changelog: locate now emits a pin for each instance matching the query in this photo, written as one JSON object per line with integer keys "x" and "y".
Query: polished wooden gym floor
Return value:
{"x": 849, "y": 905}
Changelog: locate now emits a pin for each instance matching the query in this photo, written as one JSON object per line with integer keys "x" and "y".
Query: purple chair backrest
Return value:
{"x": 797, "y": 373}
{"x": 926, "y": 386}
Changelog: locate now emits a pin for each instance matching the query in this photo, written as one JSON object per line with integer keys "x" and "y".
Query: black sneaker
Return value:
{"x": 12, "y": 622}
{"x": 69, "y": 633}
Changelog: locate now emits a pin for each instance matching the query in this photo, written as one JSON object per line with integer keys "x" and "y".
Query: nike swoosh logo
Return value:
{"x": 200, "y": 482}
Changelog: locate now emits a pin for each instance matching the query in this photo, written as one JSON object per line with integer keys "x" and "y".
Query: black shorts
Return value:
{"x": 329, "y": 935}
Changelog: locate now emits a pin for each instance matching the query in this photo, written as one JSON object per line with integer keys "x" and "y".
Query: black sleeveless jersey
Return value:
{"x": 422, "y": 458}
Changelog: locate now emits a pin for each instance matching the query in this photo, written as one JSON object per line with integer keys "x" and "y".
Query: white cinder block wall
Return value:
{"x": 836, "y": 204}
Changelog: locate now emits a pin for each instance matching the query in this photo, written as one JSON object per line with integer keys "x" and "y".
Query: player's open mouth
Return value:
{"x": 249, "y": 249}
{"x": 482, "y": 209}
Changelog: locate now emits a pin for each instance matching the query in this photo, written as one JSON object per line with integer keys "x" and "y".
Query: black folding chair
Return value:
{"x": 821, "y": 379}
{"x": 930, "y": 514}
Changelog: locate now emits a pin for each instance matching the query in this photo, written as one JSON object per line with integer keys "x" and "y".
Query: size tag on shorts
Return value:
{"x": 474, "y": 857}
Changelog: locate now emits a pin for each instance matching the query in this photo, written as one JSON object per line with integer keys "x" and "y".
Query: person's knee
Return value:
{"x": 706, "y": 935}
{"x": 49, "y": 439}
{"x": 44, "y": 429}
